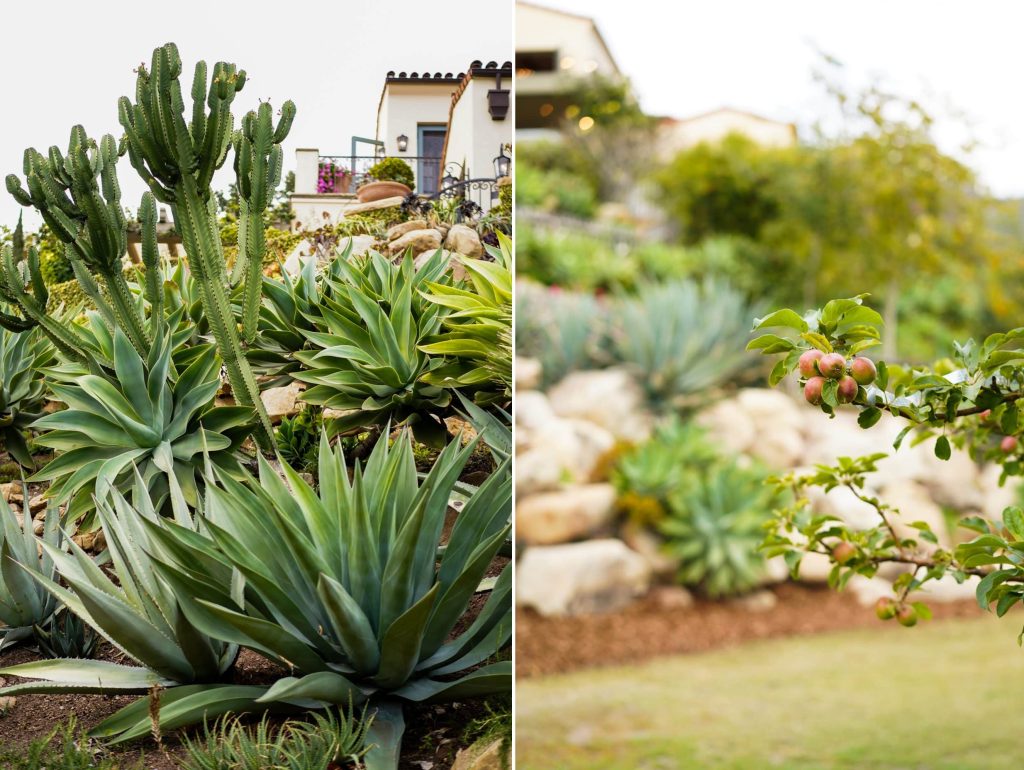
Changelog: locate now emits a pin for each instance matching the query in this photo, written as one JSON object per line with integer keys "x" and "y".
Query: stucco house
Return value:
{"x": 677, "y": 134}
{"x": 447, "y": 127}
{"x": 553, "y": 50}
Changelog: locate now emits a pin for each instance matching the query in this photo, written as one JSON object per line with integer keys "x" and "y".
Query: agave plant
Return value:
{"x": 132, "y": 609}
{"x": 66, "y": 636}
{"x": 714, "y": 527}
{"x": 367, "y": 359}
{"x": 680, "y": 338}
{"x": 23, "y": 356}
{"x": 561, "y": 329}
{"x": 345, "y": 586}
{"x": 477, "y": 333}
{"x": 24, "y": 603}
{"x": 146, "y": 414}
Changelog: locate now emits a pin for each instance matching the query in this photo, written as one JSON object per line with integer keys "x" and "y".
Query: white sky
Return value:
{"x": 686, "y": 57}
{"x": 63, "y": 63}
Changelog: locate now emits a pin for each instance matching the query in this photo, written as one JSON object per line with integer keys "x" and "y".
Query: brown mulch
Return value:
{"x": 649, "y": 629}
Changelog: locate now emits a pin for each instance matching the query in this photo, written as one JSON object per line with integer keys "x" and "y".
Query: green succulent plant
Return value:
{"x": 561, "y": 329}
{"x": 714, "y": 527}
{"x": 477, "y": 332}
{"x": 132, "y": 608}
{"x": 23, "y": 357}
{"x": 680, "y": 338}
{"x": 346, "y": 586}
{"x": 366, "y": 357}
{"x": 66, "y": 636}
{"x": 146, "y": 415}
{"x": 23, "y": 602}
{"x": 298, "y": 438}
{"x": 329, "y": 740}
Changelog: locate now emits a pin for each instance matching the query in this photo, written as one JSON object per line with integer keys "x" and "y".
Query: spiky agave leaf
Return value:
{"x": 147, "y": 415}
{"x": 133, "y": 609}
{"x": 23, "y": 357}
{"x": 367, "y": 359}
{"x": 344, "y": 586}
{"x": 23, "y": 602}
{"x": 477, "y": 332}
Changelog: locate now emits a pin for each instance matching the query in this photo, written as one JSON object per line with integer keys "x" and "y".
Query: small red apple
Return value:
{"x": 808, "y": 362}
{"x": 863, "y": 370}
{"x": 983, "y": 416}
{"x": 906, "y": 615}
{"x": 812, "y": 390}
{"x": 843, "y": 552}
{"x": 1008, "y": 444}
{"x": 885, "y": 608}
{"x": 832, "y": 365}
{"x": 847, "y": 390}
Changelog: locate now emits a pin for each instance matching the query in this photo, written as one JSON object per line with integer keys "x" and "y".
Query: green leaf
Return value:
{"x": 1013, "y": 520}
{"x": 782, "y": 318}
{"x": 869, "y": 417}
{"x": 942, "y": 448}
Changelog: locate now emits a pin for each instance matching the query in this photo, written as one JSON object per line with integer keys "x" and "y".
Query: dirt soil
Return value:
{"x": 649, "y": 629}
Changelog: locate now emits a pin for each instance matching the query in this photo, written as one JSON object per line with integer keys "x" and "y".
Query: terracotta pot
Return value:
{"x": 375, "y": 191}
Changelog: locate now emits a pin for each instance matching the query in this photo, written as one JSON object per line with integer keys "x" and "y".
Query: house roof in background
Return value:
{"x": 581, "y": 17}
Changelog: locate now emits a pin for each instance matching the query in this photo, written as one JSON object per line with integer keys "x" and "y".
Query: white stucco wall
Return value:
{"x": 715, "y": 126}
{"x": 580, "y": 49}
{"x": 405, "y": 107}
{"x": 475, "y": 137}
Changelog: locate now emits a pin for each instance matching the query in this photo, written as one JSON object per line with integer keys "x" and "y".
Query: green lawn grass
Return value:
{"x": 941, "y": 696}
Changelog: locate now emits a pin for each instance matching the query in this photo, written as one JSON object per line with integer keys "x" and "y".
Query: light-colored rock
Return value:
{"x": 778, "y": 447}
{"x": 775, "y": 571}
{"x": 384, "y": 203}
{"x": 453, "y": 262}
{"x": 567, "y": 514}
{"x": 814, "y": 568}
{"x": 533, "y": 410}
{"x": 844, "y": 504}
{"x": 417, "y": 240}
{"x": 527, "y": 373}
{"x": 579, "y": 578}
{"x": 758, "y": 601}
{"x": 733, "y": 433}
{"x": 94, "y": 541}
{"x": 404, "y": 227}
{"x": 610, "y": 398}
{"x": 914, "y": 504}
{"x": 360, "y": 245}
{"x": 282, "y": 402}
{"x": 651, "y": 547}
{"x": 946, "y": 590}
{"x": 464, "y": 240}
{"x": 37, "y": 504}
{"x": 766, "y": 406}
{"x": 671, "y": 597}
{"x": 995, "y": 498}
{"x": 868, "y": 590}
{"x": 298, "y": 257}
{"x": 537, "y": 471}
{"x": 8, "y": 489}
{"x": 581, "y": 448}
{"x": 489, "y": 756}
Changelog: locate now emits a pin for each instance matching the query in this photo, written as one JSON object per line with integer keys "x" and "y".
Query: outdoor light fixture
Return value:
{"x": 498, "y": 100}
{"x": 502, "y": 164}
{"x": 403, "y": 142}
{"x": 449, "y": 180}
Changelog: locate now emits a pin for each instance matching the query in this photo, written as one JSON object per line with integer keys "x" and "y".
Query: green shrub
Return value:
{"x": 331, "y": 740}
{"x": 62, "y": 749}
{"x": 393, "y": 170}
{"x": 298, "y": 438}
{"x": 558, "y": 328}
{"x": 681, "y": 339}
{"x": 555, "y": 191}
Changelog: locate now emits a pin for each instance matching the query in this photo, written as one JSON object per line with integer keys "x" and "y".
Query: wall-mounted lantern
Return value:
{"x": 498, "y": 100}
{"x": 502, "y": 164}
{"x": 403, "y": 143}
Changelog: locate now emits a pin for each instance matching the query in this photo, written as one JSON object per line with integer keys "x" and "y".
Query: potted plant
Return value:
{"x": 392, "y": 177}
{"x": 332, "y": 178}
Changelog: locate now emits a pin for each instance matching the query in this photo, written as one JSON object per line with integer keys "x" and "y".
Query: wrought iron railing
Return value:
{"x": 470, "y": 196}
{"x": 345, "y": 173}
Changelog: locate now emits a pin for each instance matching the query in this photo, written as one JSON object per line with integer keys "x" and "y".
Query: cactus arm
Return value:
{"x": 151, "y": 263}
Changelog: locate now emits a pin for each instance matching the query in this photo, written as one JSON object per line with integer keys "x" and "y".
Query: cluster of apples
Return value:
{"x": 817, "y": 367}
{"x": 887, "y": 609}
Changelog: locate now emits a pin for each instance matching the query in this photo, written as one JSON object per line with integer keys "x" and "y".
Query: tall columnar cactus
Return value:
{"x": 79, "y": 197}
{"x": 178, "y": 159}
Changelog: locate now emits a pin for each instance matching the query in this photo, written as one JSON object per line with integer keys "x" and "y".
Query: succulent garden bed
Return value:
{"x": 212, "y": 571}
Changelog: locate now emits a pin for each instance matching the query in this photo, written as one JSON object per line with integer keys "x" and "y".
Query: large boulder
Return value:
{"x": 610, "y": 398}
{"x": 417, "y": 240}
{"x": 402, "y": 228}
{"x": 914, "y": 504}
{"x": 579, "y": 578}
{"x": 282, "y": 402}
{"x": 567, "y": 514}
{"x": 453, "y": 262}
{"x": 844, "y": 504}
{"x": 766, "y": 424}
{"x": 360, "y": 244}
{"x": 533, "y": 411}
{"x": 489, "y": 755}
{"x": 580, "y": 448}
{"x": 527, "y": 373}
{"x": 384, "y": 203}
{"x": 729, "y": 428}
{"x": 464, "y": 240}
